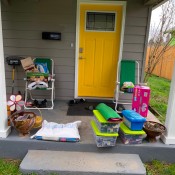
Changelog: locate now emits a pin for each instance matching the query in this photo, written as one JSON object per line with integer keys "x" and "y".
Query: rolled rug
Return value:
{"x": 108, "y": 113}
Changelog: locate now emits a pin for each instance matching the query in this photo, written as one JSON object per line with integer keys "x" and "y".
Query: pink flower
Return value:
{"x": 15, "y": 102}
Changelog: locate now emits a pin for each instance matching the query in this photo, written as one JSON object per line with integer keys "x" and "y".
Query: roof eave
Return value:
{"x": 154, "y": 2}
{"x": 6, "y": 2}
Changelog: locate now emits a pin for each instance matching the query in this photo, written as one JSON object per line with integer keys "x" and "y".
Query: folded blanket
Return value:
{"x": 108, "y": 113}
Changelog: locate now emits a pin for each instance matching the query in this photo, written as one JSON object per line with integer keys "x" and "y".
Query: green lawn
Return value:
{"x": 172, "y": 42}
{"x": 160, "y": 168}
{"x": 160, "y": 88}
{"x": 10, "y": 167}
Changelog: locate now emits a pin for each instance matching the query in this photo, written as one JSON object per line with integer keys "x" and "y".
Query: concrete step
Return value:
{"x": 81, "y": 163}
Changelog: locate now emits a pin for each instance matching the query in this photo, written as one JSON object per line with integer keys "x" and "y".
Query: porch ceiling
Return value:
{"x": 146, "y": 2}
{"x": 154, "y": 2}
{"x": 5, "y": 2}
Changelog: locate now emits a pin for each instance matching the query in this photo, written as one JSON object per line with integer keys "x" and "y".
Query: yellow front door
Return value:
{"x": 99, "y": 45}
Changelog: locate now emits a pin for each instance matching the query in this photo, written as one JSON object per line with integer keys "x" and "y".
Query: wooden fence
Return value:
{"x": 166, "y": 65}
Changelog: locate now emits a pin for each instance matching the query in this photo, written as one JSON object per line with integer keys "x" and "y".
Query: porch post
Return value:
{"x": 169, "y": 136}
{"x": 4, "y": 129}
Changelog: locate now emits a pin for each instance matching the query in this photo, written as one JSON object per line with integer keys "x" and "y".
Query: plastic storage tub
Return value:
{"x": 131, "y": 137}
{"x": 105, "y": 126}
{"x": 103, "y": 139}
{"x": 133, "y": 120}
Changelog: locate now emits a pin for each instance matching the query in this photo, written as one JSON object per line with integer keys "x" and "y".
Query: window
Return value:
{"x": 100, "y": 21}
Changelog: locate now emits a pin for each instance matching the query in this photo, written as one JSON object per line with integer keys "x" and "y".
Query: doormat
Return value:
{"x": 84, "y": 108}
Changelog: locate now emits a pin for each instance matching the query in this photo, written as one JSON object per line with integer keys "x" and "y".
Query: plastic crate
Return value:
{"x": 105, "y": 126}
{"x": 103, "y": 139}
{"x": 131, "y": 137}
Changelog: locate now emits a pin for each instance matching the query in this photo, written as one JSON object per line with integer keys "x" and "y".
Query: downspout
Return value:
{"x": 146, "y": 44}
{"x": 4, "y": 129}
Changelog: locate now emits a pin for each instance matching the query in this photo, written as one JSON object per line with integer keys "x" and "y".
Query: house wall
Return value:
{"x": 23, "y": 22}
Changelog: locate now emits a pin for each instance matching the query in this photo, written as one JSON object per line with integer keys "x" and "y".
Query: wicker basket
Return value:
{"x": 153, "y": 129}
{"x": 23, "y": 121}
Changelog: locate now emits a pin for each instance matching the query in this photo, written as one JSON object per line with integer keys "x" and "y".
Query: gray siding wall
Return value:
{"x": 24, "y": 21}
{"x": 136, "y": 31}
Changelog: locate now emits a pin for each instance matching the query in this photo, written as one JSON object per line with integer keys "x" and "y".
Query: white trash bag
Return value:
{"x": 58, "y": 132}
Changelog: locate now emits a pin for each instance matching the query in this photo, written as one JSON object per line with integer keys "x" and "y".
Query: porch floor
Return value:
{"x": 16, "y": 147}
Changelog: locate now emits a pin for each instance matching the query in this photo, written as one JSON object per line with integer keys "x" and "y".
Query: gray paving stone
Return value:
{"x": 81, "y": 163}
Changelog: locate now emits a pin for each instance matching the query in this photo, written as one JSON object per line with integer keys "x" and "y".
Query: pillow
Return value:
{"x": 58, "y": 132}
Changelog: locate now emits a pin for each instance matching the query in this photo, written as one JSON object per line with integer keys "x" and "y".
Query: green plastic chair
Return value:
{"x": 128, "y": 72}
{"x": 51, "y": 80}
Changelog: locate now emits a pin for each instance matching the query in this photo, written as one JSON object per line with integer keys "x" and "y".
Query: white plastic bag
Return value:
{"x": 59, "y": 132}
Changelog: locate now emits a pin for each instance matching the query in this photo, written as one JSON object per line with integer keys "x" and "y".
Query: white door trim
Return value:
{"x": 123, "y": 3}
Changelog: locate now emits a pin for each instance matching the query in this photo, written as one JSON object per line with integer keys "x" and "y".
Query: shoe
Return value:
{"x": 35, "y": 103}
{"x": 71, "y": 102}
{"x": 43, "y": 104}
{"x": 82, "y": 100}
{"x": 91, "y": 108}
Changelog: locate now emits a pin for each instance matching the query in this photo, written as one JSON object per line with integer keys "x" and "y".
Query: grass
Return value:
{"x": 160, "y": 88}
{"x": 172, "y": 42}
{"x": 160, "y": 168}
{"x": 10, "y": 167}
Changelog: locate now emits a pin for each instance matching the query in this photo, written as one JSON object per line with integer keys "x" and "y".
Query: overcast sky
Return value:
{"x": 155, "y": 17}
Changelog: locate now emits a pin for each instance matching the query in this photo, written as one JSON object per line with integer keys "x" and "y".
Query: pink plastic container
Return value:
{"x": 140, "y": 100}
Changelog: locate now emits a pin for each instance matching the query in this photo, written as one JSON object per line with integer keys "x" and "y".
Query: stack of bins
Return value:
{"x": 105, "y": 132}
{"x": 131, "y": 130}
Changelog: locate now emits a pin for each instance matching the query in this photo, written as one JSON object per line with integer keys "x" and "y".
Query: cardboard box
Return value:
{"x": 27, "y": 63}
{"x": 140, "y": 100}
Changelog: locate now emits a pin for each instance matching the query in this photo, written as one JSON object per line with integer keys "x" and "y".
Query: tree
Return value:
{"x": 161, "y": 37}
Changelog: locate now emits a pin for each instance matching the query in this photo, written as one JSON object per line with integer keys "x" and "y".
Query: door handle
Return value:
{"x": 80, "y": 50}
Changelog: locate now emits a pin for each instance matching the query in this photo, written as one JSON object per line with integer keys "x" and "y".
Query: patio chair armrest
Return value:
{"x": 117, "y": 83}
